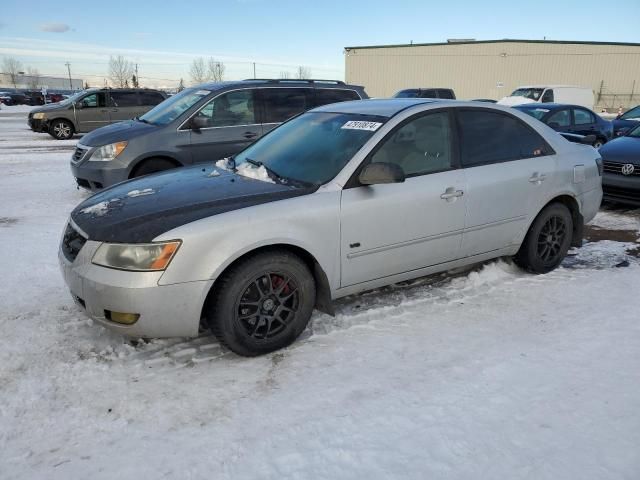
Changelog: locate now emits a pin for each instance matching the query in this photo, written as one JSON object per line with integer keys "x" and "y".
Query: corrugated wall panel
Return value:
{"x": 493, "y": 70}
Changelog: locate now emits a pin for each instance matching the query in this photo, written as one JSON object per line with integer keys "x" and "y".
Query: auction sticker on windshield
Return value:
{"x": 361, "y": 125}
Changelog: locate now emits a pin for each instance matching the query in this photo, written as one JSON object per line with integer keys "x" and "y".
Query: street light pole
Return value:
{"x": 69, "y": 70}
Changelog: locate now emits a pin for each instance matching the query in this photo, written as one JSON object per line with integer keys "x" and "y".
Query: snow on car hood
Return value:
{"x": 141, "y": 209}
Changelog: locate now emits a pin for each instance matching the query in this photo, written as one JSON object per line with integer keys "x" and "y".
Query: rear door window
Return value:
{"x": 325, "y": 96}
{"x": 280, "y": 104}
{"x": 582, "y": 117}
{"x": 124, "y": 99}
{"x": 490, "y": 137}
{"x": 151, "y": 98}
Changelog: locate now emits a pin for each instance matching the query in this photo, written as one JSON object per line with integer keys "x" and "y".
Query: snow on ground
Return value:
{"x": 8, "y": 109}
{"x": 481, "y": 374}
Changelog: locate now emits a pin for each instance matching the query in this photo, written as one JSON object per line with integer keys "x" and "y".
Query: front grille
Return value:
{"x": 79, "y": 153}
{"x": 72, "y": 242}
{"x": 615, "y": 167}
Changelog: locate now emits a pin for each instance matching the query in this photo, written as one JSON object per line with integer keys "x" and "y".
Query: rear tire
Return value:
{"x": 547, "y": 241}
{"x": 61, "y": 129}
{"x": 152, "y": 165}
{"x": 262, "y": 304}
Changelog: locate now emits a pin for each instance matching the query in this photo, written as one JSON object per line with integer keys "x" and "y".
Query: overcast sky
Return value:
{"x": 278, "y": 35}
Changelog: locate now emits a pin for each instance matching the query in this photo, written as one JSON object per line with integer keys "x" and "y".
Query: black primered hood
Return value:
{"x": 139, "y": 210}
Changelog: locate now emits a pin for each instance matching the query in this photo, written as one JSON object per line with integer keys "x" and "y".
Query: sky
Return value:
{"x": 278, "y": 35}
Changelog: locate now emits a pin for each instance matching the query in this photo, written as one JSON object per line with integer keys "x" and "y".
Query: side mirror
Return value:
{"x": 198, "y": 122}
{"x": 378, "y": 173}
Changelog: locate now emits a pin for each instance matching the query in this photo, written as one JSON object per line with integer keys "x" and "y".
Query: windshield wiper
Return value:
{"x": 270, "y": 171}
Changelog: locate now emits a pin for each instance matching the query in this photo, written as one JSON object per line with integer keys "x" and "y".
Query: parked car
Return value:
{"x": 5, "y": 98}
{"x": 446, "y": 93}
{"x": 36, "y": 97}
{"x": 626, "y": 121}
{"x": 199, "y": 124}
{"x": 91, "y": 109}
{"x": 571, "y": 119}
{"x": 345, "y": 198}
{"x": 567, "y": 94}
{"x": 621, "y": 180}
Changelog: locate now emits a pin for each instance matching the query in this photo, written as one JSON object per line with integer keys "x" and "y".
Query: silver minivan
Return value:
{"x": 91, "y": 109}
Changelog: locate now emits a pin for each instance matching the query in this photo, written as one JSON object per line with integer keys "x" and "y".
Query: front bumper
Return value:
{"x": 165, "y": 310}
{"x": 38, "y": 125}
{"x": 98, "y": 175}
{"x": 621, "y": 188}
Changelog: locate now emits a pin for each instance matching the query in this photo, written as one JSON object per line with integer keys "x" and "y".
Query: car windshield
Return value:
{"x": 537, "y": 113}
{"x": 413, "y": 93}
{"x": 532, "y": 93}
{"x": 166, "y": 112}
{"x": 634, "y": 133}
{"x": 633, "y": 114}
{"x": 312, "y": 148}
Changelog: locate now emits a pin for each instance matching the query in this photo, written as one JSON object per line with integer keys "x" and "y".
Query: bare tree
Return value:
{"x": 134, "y": 81}
{"x": 303, "y": 73}
{"x": 120, "y": 70}
{"x": 285, "y": 75}
{"x": 198, "y": 71}
{"x": 34, "y": 78}
{"x": 215, "y": 70}
{"x": 12, "y": 66}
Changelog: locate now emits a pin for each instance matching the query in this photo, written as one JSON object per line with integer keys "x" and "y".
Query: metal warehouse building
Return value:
{"x": 494, "y": 68}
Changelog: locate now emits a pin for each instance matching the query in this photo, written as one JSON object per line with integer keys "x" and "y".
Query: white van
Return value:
{"x": 570, "y": 94}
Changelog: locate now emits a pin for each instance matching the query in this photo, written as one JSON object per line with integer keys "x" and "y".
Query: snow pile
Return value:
{"x": 225, "y": 164}
{"x": 617, "y": 221}
{"x": 251, "y": 171}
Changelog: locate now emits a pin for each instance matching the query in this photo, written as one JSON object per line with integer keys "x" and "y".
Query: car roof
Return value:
{"x": 312, "y": 83}
{"x": 382, "y": 107}
{"x": 549, "y": 106}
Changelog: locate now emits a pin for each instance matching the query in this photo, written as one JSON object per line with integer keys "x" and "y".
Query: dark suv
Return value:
{"x": 200, "y": 124}
{"x": 446, "y": 93}
{"x": 91, "y": 109}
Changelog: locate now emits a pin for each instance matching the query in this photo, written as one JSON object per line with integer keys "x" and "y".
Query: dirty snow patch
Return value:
{"x": 616, "y": 221}
{"x": 99, "y": 209}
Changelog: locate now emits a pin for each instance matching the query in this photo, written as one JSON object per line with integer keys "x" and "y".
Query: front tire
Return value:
{"x": 547, "y": 241}
{"x": 263, "y": 303}
{"x": 152, "y": 165}
{"x": 61, "y": 129}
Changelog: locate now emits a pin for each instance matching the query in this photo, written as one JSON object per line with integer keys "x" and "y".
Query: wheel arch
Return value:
{"x": 161, "y": 156}
{"x": 323, "y": 289}
{"x": 572, "y": 204}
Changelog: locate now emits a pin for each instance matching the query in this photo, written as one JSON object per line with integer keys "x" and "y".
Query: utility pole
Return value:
{"x": 254, "y": 70}
{"x": 69, "y": 70}
{"x": 137, "y": 77}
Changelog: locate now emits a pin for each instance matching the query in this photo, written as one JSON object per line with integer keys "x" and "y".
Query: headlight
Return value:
{"x": 142, "y": 257}
{"x": 108, "y": 152}
{"x": 38, "y": 116}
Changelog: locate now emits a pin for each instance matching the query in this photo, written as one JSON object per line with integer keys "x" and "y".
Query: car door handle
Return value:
{"x": 250, "y": 135}
{"x": 537, "y": 178}
{"x": 451, "y": 193}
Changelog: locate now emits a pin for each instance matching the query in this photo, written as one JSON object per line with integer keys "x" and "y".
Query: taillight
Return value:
{"x": 600, "y": 165}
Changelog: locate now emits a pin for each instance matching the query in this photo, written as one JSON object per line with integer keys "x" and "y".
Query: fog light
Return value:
{"x": 121, "y": 317}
